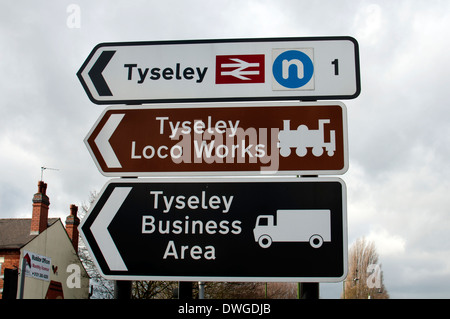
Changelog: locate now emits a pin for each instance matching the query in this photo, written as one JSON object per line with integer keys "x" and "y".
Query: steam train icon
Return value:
{"x": 303, "y": 138}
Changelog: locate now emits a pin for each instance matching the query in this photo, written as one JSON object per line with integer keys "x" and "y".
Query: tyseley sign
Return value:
{"x": 277, "y": 229}
{"x": 314, "y": 68}
{"x": 251, "y": 139}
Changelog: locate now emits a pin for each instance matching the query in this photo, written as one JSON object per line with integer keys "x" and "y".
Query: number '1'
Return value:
{"x": 335, "y": 62}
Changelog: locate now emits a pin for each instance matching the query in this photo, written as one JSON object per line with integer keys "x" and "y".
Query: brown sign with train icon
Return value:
{"x": 308, "y": 138}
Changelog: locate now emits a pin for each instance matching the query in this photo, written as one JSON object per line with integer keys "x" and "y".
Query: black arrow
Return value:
{"x": 96, "y": 73}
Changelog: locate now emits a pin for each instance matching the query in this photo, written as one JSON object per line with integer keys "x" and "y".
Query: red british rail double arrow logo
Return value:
{"x": 240, "y": 69}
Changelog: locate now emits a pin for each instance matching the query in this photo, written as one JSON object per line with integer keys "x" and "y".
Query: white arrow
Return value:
{"x": 240, "y": 66}
{"x": 102, "y": 141}
{"x": 100, "y": 231}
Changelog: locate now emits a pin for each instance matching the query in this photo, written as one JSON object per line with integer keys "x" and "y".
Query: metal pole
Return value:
{"x": 201, "y": 290}
{"x": 22, "y": 278}
{"x": 185, "y": 290}
{"x": 309, "y": 290}
{"x": 122, "y": 289}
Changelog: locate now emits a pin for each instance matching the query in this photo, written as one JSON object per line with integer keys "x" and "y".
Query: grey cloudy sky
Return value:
{"x": 399, "y": 132}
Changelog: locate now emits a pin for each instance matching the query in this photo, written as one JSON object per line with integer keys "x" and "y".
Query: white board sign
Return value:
{"x": 314, "y": 68}
{"x": 37, "y": 266}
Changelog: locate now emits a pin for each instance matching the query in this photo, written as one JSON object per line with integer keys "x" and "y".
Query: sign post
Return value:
{"x": 253, "y": 227}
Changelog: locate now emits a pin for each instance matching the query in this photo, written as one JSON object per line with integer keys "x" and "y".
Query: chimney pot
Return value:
{"x": 41, "y": 203}
{"x": 42, "y": 187}
{"x": 72, "y": 222}
{"x": 73, "y": 210}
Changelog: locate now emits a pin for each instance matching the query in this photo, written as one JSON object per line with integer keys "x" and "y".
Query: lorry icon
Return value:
{"x": 294, "y": 225}
{"x": 303, "y": 137}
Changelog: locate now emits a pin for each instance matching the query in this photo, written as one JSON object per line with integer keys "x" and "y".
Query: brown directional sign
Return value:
{"x": 240, "y": 139}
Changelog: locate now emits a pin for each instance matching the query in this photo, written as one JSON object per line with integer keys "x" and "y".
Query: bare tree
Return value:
{"x": 101, "y": 287}
{"x": 365, "y": 277}
{"x": 232, "y": 290}
{"x": 250, "y": 290}
{"x": 279, "y": 290}
{"x": 153, "y": 289}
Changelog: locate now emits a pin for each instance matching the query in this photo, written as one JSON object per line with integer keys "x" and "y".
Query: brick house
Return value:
{"x": 47, "y": 237}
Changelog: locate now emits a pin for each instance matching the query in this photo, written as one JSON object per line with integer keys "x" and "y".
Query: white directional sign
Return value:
{"x": 222, "y": 70}
{"x": 271, "y": 229}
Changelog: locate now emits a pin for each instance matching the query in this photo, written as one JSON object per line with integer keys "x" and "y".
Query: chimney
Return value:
{"x": 72, "y": 222}
{"x": 41, "y": 202}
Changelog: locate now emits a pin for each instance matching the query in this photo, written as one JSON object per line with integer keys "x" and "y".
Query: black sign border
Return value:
{"x": 226, "y": 99}
{"x": 102, "y": 265}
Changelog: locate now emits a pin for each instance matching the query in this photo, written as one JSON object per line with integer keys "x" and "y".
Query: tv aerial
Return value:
{"x": 44, "y": 168}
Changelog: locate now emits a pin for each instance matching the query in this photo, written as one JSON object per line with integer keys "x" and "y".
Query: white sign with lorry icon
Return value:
{"x": 294, "y": 225}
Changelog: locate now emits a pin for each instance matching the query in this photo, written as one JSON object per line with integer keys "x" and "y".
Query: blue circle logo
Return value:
{"x": 293, "y": 69}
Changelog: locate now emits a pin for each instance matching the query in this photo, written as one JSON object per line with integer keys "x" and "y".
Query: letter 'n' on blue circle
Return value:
{"x": 293, "y": 69}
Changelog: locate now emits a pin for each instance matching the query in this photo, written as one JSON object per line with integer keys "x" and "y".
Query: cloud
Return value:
{"x": 386, "y": 244}
{"x": 368, "y": 23}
